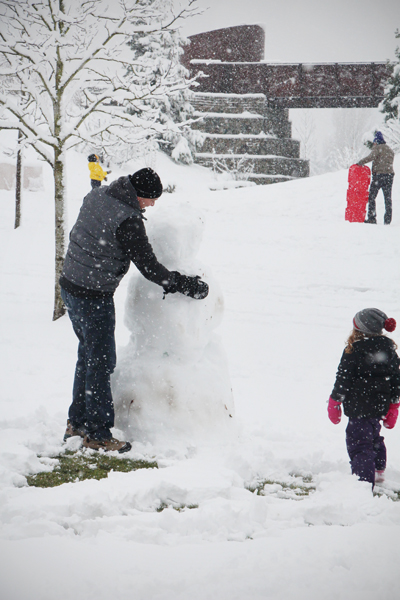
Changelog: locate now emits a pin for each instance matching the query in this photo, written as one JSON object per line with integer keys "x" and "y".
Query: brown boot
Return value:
{"x": 71, "y": 431}
{"x": 107, "y": 445}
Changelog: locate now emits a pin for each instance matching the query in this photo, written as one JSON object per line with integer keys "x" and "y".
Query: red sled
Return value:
{"x": 357, "y": 193}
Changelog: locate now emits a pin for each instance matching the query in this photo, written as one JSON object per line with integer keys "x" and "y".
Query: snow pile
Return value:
{"x": 172, "y": 379}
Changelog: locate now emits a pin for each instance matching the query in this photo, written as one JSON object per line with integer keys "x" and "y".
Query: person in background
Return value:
{"x": 108, "y": 234}
{"x": 368, "y": 386}
{"x": 382, "y": 177}
{"x": 97, "y": 174}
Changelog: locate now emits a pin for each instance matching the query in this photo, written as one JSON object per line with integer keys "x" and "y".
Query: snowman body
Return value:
{"x": 172, "y": 378}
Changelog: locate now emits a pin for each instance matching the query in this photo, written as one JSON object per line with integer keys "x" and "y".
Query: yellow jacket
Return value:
{"x": 96, "y": 172}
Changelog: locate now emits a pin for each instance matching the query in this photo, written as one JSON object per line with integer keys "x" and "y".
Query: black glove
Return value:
{"x": 193, "y": 287}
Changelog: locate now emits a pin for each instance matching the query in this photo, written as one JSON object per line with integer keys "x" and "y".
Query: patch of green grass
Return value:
{"x": 301, "y": 487}
{"x": 178, "y": 507}
{"x": 77, "y": 466}
{"x": 391, "y": 494}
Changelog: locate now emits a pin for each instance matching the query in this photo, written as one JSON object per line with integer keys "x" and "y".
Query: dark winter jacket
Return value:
{"x": 107, "y": 235}
{"x": 368, "y": 379}
{"x": 382, "y": 158}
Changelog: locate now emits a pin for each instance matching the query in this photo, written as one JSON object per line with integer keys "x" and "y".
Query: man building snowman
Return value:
{"x": 108, "y": 234}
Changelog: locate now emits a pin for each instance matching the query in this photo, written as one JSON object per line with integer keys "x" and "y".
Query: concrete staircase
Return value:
{"x": 243, "y": 127}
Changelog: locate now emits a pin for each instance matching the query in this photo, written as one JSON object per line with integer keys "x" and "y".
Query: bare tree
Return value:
{"x": 305, "y": 131}
{"x": 18, "y": 183}
{"x": 63, "y": 67}
{"x": 350, "y": 127}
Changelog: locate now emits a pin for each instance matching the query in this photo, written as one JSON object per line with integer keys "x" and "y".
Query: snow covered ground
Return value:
{"x": 293, "y": 273}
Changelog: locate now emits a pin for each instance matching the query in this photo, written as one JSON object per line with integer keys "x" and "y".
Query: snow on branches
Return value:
{"x": 99, "y": 72}
{"x": 391, "y": 103}
{"x": 71, "y": 72}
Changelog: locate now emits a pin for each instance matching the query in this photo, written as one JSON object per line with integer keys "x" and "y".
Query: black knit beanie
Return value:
{"x": 372, "y": 321}
{"x": 146, "y": 183}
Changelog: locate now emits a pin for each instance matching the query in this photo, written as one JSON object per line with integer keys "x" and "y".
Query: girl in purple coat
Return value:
{"x": 368, "y": 386}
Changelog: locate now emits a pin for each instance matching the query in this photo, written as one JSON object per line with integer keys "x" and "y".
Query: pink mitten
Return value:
{"x": 390, "y": 420}
{"x": 334, "y": 411}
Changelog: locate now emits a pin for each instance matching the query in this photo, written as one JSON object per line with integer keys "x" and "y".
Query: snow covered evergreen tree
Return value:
{"x": 163, "y": 52}
{"x": 63, "y": 79}
{"x": 391, "y": 102}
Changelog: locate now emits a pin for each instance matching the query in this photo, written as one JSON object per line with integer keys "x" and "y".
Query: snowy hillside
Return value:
{"x": 292, "y": 274}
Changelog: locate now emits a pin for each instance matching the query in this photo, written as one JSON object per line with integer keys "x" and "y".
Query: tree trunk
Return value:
{"x": 18, "y": 184}
{"x": 59, "y": 193}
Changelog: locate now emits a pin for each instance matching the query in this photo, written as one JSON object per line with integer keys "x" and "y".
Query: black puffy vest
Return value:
{"x": 95, "y": 260}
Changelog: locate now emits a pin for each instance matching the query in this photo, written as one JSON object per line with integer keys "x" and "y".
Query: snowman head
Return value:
{"x": 175, "y": 235}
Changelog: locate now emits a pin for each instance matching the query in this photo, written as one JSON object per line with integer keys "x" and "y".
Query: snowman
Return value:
{"x": 171, "y": 381}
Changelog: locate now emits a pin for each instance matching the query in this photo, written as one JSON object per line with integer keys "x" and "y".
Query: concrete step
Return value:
{"x": 276, "y": 165}
{"x": 232, "y": 125}
{"x": 225, "y": 103}
{"x": 267, "y": 179}
{"x": 251, "y": 145}
{"x": 243, "y": 123}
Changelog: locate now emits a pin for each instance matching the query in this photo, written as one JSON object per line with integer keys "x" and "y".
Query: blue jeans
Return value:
{"x": 93, "y": 320}
{"x": 380, "y": 181}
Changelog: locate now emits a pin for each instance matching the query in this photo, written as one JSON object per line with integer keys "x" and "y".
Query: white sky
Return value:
{"x": 310, "y": 30}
